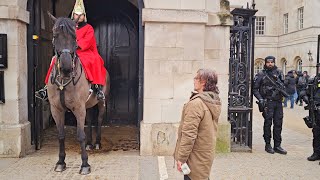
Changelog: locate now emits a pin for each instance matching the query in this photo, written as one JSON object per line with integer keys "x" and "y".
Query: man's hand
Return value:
{"x": 179, "y": 166}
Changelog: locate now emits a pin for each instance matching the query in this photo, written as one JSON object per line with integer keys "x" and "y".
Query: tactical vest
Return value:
{"x": 267, "y": 90}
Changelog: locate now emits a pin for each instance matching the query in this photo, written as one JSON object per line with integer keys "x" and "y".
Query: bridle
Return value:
{"x": 57, "y": 78}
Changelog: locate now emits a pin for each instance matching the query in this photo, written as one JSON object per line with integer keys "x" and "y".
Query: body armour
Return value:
{"x": 316, "y": 85}
{"x": 263, "y": 88}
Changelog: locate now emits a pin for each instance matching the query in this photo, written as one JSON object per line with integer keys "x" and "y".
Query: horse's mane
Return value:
{"x": 66, "y": 26}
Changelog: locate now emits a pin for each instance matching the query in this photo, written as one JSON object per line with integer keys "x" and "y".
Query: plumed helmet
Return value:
{"x": 79, "y": 9}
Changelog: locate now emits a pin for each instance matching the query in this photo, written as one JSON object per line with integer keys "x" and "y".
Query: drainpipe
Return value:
{"x": 141, "y": 64}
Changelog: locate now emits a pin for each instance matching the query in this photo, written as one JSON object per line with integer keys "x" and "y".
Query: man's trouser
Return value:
{"x": 273, "y": 114}
{"x": 316, "y": 135}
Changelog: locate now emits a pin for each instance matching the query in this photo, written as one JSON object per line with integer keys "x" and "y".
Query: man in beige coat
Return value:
{"x": 198, "y": 127}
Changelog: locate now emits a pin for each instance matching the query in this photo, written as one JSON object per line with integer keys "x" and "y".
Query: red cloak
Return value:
{"x": 89, "y": 56}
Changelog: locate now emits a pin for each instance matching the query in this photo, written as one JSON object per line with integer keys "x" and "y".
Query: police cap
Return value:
{"x": 270, "y": 58}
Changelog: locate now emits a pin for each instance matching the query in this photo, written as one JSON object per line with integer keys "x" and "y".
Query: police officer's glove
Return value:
{"x": 261, "y": 104}
{"x": 262, "y": 101}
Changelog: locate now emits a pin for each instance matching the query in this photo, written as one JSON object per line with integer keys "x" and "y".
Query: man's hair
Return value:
{"x": 211, "y": 79}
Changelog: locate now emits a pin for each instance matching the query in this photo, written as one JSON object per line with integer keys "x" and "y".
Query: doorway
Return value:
{"x": 116, "y": 25}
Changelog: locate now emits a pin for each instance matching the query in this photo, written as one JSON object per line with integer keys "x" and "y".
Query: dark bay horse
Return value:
{"x": 68, "y": 89}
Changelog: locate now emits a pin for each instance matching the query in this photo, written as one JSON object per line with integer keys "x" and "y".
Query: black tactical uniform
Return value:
{"x": 315, "y": 83}
{"x": 271, "y": 99}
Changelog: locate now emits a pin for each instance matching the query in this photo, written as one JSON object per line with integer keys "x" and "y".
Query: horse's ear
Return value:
{"x": 52, "y": 17}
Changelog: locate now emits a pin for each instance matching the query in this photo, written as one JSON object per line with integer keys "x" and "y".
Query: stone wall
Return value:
{"x": 181, "y": 36}
{"x": 15, "y": 132}
{"x": 296, "y": 43}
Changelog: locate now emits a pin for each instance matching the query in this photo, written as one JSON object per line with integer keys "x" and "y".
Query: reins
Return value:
{"x": 63, "y": 82}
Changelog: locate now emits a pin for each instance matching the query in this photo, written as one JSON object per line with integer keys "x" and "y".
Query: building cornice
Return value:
{"x": 186, "y": 16}
{"x": 14, "y": 13}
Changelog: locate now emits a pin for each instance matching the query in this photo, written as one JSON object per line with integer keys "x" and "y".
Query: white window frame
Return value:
{"x": 260, "y": 25}
{"x": 258, "y": 66}
{"x": 286, "y": 23}
{"x": 300, "y": 18}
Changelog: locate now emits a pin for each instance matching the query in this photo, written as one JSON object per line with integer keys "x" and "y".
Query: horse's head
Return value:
{"x": 65, "y": 45}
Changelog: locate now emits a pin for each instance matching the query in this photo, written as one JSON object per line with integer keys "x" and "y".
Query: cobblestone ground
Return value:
{"x": 123, "y": 165}
{"x": 296, "y": 139}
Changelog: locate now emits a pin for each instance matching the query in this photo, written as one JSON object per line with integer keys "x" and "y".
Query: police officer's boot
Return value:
{"x": 280, "y": 150}
{"x": 100, "y": 94}
{"x": 269, "y": 148}
{"x": 42, "y": 93}
{"x": 314, "y": 157}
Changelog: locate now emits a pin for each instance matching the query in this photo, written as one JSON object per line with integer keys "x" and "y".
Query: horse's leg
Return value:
{"x": 58, "y": 116}
{"x": 102, "y": 110}
{"x": 89, "y": 145}
{"x": 81, "y": 116}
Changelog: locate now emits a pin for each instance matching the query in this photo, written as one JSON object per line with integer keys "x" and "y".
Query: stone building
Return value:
{"x": 287, "y": 29}
{"x": 164, "y": 41}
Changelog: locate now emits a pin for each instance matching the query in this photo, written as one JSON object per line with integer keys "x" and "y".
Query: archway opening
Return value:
{"x": 258, "y": 65}
{"x": 298, "y": 63}
{"x": 284, "y": 65}
{"x": 116, "y": 24}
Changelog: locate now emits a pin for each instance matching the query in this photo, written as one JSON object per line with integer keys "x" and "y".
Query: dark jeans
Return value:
{"x": 187, "y": 177}
{"x": 291, "y": 98}
{"x": 273, "y": 114}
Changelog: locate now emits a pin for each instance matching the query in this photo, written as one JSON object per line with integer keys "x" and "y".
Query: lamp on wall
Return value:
{"x": 310, "y": 56}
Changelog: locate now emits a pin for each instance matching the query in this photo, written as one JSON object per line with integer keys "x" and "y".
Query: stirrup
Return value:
{"x": 99, "y": 92}
{"x": 100, "y": 95}
{"x": 42, "y": 94}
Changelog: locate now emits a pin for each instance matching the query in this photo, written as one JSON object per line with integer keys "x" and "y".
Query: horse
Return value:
{"x": 69, "y": 90}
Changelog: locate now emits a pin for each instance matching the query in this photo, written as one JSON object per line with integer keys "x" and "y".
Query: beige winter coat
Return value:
{"x": 197, "y": 134}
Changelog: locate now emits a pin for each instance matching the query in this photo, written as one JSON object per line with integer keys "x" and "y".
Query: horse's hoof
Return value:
{"x": 89, "y": 147}
{"x": 85, "y": 170}
{"x": 97, "y": 146}
{"x": 60, "y": 167}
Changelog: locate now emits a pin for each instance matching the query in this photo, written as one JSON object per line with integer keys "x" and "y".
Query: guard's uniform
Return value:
{"x": 263, "y": 89}
{"x": 88, "y": 54}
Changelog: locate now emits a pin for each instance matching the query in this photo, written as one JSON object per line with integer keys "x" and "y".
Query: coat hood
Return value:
{"x": 211, "y": 100}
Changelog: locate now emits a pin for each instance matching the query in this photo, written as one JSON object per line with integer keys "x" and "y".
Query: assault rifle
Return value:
{"x": 310, "y": 120}
{"x": 312, "y": 87}
{"x": 278, "y": 85}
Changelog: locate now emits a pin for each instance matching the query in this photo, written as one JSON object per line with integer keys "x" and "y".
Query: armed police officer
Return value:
{"x": 311, "y": 96}
{"x": 269, "y": 89}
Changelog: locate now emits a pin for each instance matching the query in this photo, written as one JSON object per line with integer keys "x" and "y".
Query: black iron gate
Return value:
{"x": 241, "y": 78}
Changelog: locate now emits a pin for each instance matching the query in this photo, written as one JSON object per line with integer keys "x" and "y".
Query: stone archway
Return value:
{"x": 298, "y": 63}
{"x": 258, "y": 65}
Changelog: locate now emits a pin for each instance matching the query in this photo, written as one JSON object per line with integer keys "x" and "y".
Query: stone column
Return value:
{"x": 181, "y": 36}
{"x": 15, "y": 130}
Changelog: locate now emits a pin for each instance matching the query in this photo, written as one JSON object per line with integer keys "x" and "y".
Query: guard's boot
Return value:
{"x": 42, "y": 94}
{"x": 314, "y": 157}
{"x": 269, "y": 149}
{"x": 100, "y": 94}
{"x": 280, "y": 150}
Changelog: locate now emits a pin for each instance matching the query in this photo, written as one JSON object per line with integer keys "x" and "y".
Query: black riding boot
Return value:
{"x": 100, "y": 94}
{"x": 42, "y": 94}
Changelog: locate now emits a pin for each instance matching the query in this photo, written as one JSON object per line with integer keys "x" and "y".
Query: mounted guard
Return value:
{"x": 87, "y": 52}
{"x": 69, "y": 83}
